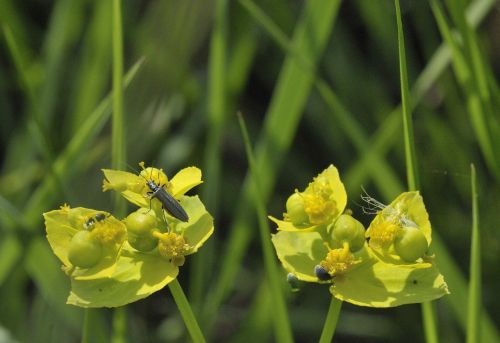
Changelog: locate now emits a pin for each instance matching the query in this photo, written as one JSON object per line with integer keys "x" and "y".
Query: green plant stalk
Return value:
{"x": 216, "y": 120}
{"x": 428, "y": 315}
{"x": 118, "y": 149}
{"x": 331, "y": 321}
{"x": 119, "y": 325}
{"x": 86, "y": 326}
{"x": 474, "y": 301}
{"x": 282, "y": 323}
{"x": 186, "y": 312}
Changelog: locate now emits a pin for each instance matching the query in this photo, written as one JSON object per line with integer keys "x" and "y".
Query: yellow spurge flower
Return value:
{"x": 365, "y": 276}
{"x": 393, "y": 222}
{"x": 88, "y": 248}
{"x": 138, "y": 274}
{"x": 321, "y": 203}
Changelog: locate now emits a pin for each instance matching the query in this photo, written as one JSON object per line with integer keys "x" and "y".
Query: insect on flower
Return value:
{"x": 89, "y": 224}
{"x": 169, "y": 203}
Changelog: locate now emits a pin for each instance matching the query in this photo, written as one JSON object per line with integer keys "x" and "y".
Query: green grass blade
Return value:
{"x": 281, "y": 121}
{"x": 217, "y": 114}
{"x": 10, "y": 254}
{"x": 281, "y": 321}
{"x": 118, "y": 147}
{"x": 331, "y": 321}
{"x": 429, "y": 318}
{"x": 474, "y": 303}
{"x": 410, "y": 155}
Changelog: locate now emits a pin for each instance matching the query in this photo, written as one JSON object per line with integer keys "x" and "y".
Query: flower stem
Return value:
{"x": 119, "y": 325}
{"x": 186, "y": 312}
{"x": 86, "y": 326}
{"x": 331, "y": 321}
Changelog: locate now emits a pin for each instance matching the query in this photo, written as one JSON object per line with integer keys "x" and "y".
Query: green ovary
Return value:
{"x": 410, "y": 244}
{"x": 84, "y": 251}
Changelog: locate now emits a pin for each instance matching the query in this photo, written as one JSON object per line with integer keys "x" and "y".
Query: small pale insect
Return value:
{"x": 293, "y": 281}
{"x": 89, "y": 224}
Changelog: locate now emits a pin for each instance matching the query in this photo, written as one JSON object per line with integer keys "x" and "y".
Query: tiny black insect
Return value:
{"x": 169, "y": 203}
{"x": 89, "y": 224}
{"x": 321, "y": 273}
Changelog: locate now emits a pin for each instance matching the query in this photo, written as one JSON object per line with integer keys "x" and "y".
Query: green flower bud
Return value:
{"x": 348, "y": 230}
{"x": 84, "y": 251}
{"x": 410, "y": 244}
{"x": 140, "y": 226}
{"x": 295, "y": 209}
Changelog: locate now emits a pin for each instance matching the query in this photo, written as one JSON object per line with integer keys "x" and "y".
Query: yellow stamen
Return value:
{"x": 319, "y": 203}
{"x": 171, "y": 245}
{"x": 383, "y": 233}
{"x": 109, "y": 232}
{"x": 338, "y": 261}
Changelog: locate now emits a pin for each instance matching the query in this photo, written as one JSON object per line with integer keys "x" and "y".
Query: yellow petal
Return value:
{"x": 300, "y": 252}
{"x": 184, "y": 180}
{"x": 289, "y": 226}
{"x": 375, "y": 283}
{"x": 137, "y": 276}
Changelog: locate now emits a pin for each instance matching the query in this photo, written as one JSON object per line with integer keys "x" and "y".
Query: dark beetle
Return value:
{"x": 168, "y": 202}
{"x": 89, "y": 224}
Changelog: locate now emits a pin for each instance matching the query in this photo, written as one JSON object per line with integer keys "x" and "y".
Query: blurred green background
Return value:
{"x": 317, "y": 83}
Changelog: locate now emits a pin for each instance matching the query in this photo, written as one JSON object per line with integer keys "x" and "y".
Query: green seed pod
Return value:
{"x": 410, "y": 244}
{"x": 295, "y": 209}
{"x": 347, "y": 229}
{"x": 84, "y": 252}
{"x": 142, "y": 243}
{"x": 140, "y": 225}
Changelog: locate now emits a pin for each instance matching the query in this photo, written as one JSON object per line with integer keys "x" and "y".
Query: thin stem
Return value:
{"x": 331, "y": 321}
{"x": 86, "y": 326}
{"x": 429, "y": 320}
{"x": 186, "y": 312}
{"x": 119, "y": 325}
{"x": 118, "y": 151}
{"x": 474, "y": 304}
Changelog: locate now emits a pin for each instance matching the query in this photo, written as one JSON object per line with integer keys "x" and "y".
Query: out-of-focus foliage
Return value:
{"x": 315, "y": 86}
